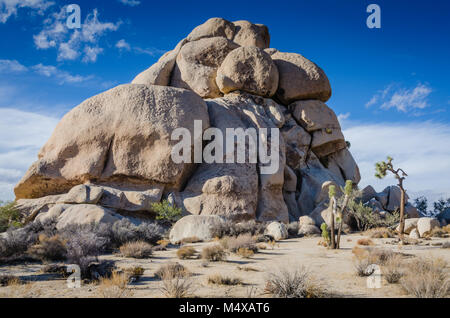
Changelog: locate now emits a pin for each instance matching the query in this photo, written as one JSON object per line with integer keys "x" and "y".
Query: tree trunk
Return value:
{"x": 333, "y": 209}
{"x": 402, "y": 210}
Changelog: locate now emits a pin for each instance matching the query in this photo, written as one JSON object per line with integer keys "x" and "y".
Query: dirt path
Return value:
{"x": 334, "y": 269}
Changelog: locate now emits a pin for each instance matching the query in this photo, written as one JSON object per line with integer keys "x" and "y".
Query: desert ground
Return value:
{"x": 333, "y": 270}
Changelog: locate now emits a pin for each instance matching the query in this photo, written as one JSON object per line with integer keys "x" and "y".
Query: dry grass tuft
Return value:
{"x": 438, "y": 232}
{"x": 393, "y": 269}
{"x": 175, "y": 282}
{"x": 163, "y": 243}
{"x": 233, "y": 244}
{"x": 138, "y": 249}
{"x": 364, "y": 257}
{"x": 115, "y": 286}
{"x": 380, "y": 232}
{"x": 135, "y": 272}
{"x": 294, "y": 283}
{"x": 9, "y": 280}
{"x": 214, "y": 253}
{"x": 218, "y": 279}
{"x": 186, "y": 252}
{"x": 172, "y": 270}
{"x": 49, "y": 248}
{"x": 245, "y": 252}
{"x": 365, "y": 242}
{"x": 426, "y": 278}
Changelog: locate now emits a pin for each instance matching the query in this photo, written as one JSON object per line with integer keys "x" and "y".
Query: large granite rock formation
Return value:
{"x": 114, "y": 150}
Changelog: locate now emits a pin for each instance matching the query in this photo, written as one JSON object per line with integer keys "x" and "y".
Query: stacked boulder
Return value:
{"x": 112, "y": 153}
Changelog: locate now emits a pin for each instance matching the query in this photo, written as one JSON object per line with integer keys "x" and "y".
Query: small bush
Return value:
{"x": 437, "y": 232}
{"x": 243, "y": 241}
{"x": 166, "y": 211}
{"x": 123, "y": 231}
{"x": 8, "y": 280}
{"x": 293, "y": 283}
{"x": 230, "y": 228}
{"x": 55, "y": 269}
{"x": 369, "y": 256}
{"x": 366, "y": 219}
{"x": 446, "y": 245}
{"x": 186, "y": 252}
{"x": 393, "y": 269}
{"x": 135, "y": 272}
{"x": 446, "y": 228}
{"x": 380, "y": 232}
{"x": 172, "y": 270}
{"x": 426, "y": 278}
{"x": 176, "y": 287}
{"x": 214, "y": 253}
{"x": 365, "y": 242}
{"x": 245, "y": 252}
{"x": 49, "y": 249}
{"x": 115, "y": 286}
{"x": 9, "y": 216}
{"x": 138, "y": 249}
{"x": 224, "y": 280}
{"x": 83, "y": 246}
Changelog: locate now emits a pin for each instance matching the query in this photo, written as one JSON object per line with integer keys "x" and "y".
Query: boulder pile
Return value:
{"x": 111, "y": 155}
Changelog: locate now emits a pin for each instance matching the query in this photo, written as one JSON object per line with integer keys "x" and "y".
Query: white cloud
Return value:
{"x": 91, "y": 53}
{"x": 404, "y": 100}
{"x": 123, "y": 45}
{"x": 149, "y": 51}
{"x": 422, "y": 149}
{"x": 62, "y": 76}
{"x": 71, "y": 44}
{"x": 131, "y": 3}
{"x": 21, "y": 136}
{"x": 10, "y": 7}
{"x": 11, "y": 66}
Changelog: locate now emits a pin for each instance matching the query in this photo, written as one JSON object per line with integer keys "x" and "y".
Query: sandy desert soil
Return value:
{"x": 334, "y": 269}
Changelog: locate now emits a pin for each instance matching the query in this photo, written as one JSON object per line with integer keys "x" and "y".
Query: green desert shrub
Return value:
{"x": 366, "y": 219}
{"x": 9, "y": 216}
{"x": 166, "y": 211}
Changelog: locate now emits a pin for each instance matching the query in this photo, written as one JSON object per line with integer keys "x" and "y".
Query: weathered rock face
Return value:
{"x": 249, "y": 69}
{"x": 197, "y": 64}
{"x": 112, "y": 153}
{"x": 198, "y": 226}
{"x": 121, "y": 136}
{"x": 300, "y": 79}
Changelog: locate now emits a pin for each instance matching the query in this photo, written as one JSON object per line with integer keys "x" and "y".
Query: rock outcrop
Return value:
{"x": 113, "y": 152}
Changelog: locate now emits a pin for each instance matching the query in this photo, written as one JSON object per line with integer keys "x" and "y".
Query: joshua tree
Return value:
{"x": 333, "y": 203}
{"x": 347, "y": 193}
{"x": 382, "y": 168}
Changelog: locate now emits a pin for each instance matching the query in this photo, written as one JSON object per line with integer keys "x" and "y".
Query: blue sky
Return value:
{"x": 390, "y": 85}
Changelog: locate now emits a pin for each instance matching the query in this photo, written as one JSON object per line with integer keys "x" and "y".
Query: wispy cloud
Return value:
{"x": 21, "y": 136}
{"x": 62, "y": 76}
{"x": 9, "y": 8}
{"x": 123, "y": 45}
{"x": 11, "y": 66}
{"x": 131, "y": 3}
{"x": 72, "y": 44}
{"x": 402, "y": 99}
{"x": 422, "y": 149}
